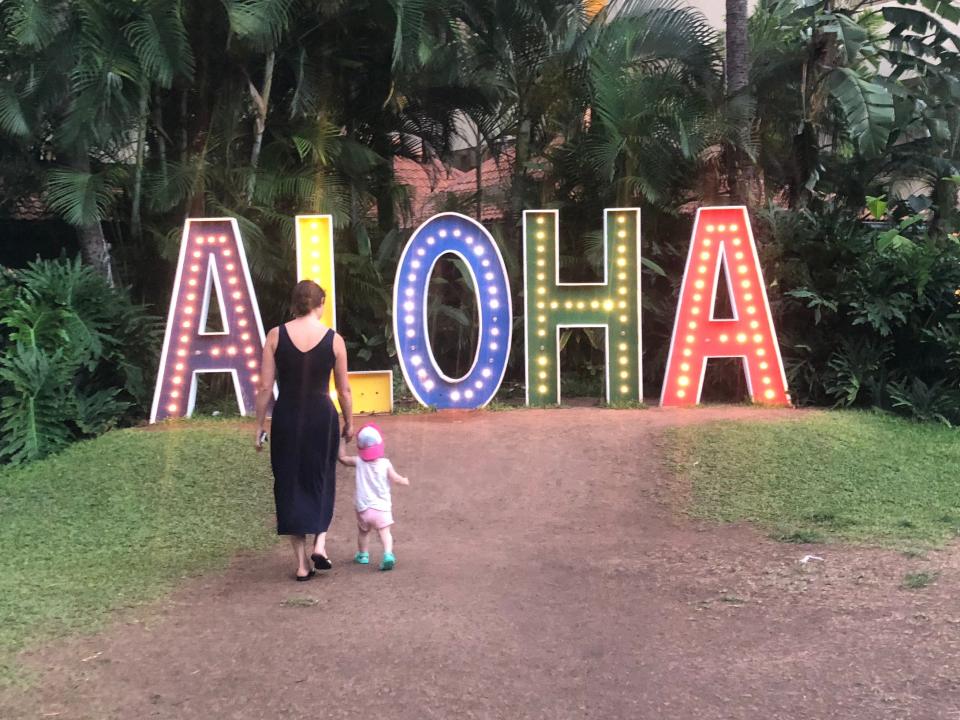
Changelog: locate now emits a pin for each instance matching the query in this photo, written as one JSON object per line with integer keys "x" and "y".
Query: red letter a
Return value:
{"x": 723, "y": 238}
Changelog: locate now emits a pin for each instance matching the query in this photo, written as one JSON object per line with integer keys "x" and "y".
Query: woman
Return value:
{"x": 305, "y": 429}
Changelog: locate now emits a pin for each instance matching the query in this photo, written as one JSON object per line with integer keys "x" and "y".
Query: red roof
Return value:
{"x": 430, "y": 184}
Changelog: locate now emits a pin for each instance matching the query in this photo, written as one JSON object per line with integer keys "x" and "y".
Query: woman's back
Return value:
{"x": 304, "y": 374}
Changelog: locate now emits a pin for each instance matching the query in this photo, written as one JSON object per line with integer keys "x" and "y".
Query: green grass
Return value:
{"x": 919, "y": 580}
{"x": 114, "y": 522}
{"x": 860, "y": 477}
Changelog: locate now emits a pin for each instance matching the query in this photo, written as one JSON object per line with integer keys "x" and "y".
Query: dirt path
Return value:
{"x": 543, "y": 572}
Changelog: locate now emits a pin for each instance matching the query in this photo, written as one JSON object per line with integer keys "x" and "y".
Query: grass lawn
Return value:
{"x": 851, "y": 476}
{"x": 111, "y": 523}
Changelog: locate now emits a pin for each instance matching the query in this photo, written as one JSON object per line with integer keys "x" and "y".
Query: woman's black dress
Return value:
{"x": 306, "y": 437}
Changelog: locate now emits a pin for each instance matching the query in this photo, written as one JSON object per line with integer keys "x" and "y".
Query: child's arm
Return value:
{"x": 349, "y": 460}
{"x": 396, "y": 478}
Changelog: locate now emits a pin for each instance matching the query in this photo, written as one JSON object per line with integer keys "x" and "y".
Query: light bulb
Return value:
{"x": 428, "y": 385}
{"x": 542, "y": 389}
{"x": 468, "y": 394}
{"x": 172, "y": 407}
{"x": 486, "y": 372}
{"x": 681, "y": 393}
{"x": 705, "y": 255}
{"x": 724, "y": 337}
{"x": 416, "y": 360}
{"x": 542, "y": 360}
{"x": 683, "y": 381}
{"x": 770, "y": 394}
{"x": 415, "y": 264}
{"x": 455, "y": 395}
{"x": 741, "y": 337}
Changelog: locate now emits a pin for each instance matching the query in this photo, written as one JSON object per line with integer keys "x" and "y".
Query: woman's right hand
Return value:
{"x": 347, "y": 433}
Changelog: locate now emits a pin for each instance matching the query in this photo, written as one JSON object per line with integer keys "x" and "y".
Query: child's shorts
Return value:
{"x": 377, "y": 519}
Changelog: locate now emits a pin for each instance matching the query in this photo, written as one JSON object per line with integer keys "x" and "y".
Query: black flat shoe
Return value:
{"x": 321, "y": 562}
{"x": 305, "y": 577}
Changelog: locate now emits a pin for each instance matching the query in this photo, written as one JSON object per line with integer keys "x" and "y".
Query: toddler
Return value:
{"x": 375, "y": 474}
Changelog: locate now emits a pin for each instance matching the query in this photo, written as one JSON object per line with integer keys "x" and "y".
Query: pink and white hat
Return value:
{"x": 370, "y": 442}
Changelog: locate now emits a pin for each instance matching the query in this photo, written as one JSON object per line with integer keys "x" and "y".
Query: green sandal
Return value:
{"x": 388, "y": 561}
{"x": 362, "y": 558}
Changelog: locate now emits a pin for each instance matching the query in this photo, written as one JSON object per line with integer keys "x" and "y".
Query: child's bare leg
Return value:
{"x": 363, "y": 540}
{"x": 386, "y": 539}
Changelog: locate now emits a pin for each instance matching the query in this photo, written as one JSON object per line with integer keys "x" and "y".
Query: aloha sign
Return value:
{"x": 213, "y": 263}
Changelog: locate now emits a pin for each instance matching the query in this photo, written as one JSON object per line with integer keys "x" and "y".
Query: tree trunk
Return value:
{"x": 479, "y": 179}
{"x": 93, "y": 243}
{"x": 136, "y": 228}
{"x": 740, "y": 170}
{"x": 261, "y": 102}
{"x": 738, "y": 59}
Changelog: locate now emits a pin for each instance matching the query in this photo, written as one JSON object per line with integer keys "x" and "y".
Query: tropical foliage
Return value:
{"x": 73, "y": 357}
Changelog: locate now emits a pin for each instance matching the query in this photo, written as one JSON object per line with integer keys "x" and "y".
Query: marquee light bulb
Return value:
{"x": 455, "y": 395}
{"x": 415, "y": 264}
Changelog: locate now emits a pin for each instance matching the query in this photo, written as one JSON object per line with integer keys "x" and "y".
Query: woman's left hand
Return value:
{"x": 347, "y": 433}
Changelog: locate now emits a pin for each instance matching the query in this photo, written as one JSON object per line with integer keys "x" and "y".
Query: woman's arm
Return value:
{"x": 268, "y": 376}
{"x": 342, "y": 382}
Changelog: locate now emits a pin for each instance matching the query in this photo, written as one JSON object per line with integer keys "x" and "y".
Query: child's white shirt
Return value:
{"x": 373, "y": 485}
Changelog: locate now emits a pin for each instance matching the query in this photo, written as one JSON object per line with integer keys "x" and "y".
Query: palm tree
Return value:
{"x": 74, "y": 82}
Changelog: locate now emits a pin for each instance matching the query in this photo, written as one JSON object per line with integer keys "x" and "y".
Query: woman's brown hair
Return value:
{"x": 307, "y": 297}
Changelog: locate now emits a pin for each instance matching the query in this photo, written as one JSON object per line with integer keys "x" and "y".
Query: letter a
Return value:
{"x": 211, "y": 260}
{"x": 723, "y": 238}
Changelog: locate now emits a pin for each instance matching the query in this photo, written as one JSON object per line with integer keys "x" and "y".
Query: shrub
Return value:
{"x": 870, "y": 311}
{"x": 73, "y": 355}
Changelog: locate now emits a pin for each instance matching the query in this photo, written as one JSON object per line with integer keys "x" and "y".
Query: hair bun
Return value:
{"x": 307, "y": 297}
